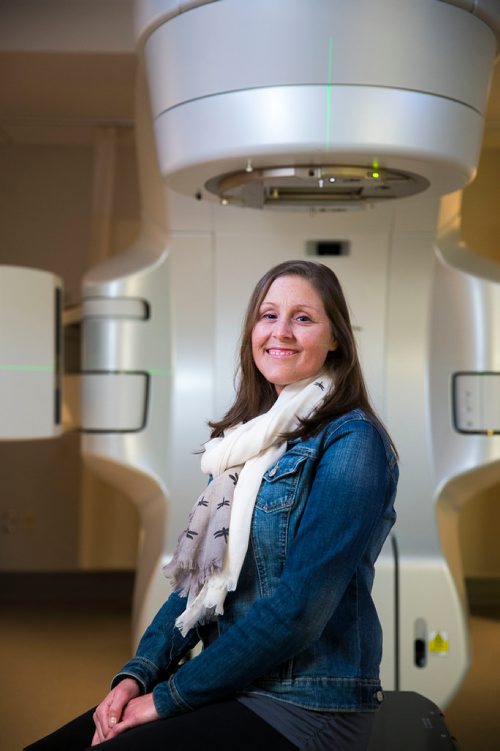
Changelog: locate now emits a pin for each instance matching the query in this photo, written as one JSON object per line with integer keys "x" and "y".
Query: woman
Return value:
{"x": 275, "y": 567}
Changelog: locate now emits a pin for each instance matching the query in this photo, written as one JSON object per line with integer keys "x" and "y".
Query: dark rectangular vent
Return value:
{"x": 328, "y": 248}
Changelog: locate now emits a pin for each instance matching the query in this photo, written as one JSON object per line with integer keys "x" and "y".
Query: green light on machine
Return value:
{"x": 375, "y": 174}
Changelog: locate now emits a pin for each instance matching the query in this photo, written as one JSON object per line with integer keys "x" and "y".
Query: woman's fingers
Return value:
{"x": 109, "y": 712}
{"x": 137, "y": 712}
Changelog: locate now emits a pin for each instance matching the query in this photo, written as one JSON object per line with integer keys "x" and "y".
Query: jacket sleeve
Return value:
{"x": 320, "y": 563}
{"x": 160, "y": 649}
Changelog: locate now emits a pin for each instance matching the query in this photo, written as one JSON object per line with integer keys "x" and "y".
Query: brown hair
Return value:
{"x": 255, "y": 395}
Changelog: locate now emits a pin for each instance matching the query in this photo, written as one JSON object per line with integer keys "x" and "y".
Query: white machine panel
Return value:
{"x": 120, "y": 307}
{"x": 114, "y": 401}
{"x": 30, "y": 353}
{"x": 476, "y": 402}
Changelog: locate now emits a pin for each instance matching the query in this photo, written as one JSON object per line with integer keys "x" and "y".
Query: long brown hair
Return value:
{"x": 256, "y": 395}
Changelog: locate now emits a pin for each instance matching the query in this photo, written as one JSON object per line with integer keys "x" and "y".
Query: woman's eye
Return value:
{"x": 303, "y": 319}
{"x": 268, "y": 316}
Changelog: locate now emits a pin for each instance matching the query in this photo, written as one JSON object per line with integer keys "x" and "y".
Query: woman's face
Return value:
{"x": 292, "y": 335}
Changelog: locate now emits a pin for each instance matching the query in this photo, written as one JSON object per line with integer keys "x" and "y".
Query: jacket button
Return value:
{"x": 273, "y": 471}
{"x": 378, "y": 696}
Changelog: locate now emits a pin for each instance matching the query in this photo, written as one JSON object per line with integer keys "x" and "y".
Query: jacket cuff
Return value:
{"x": 167, "y": 700}
{"x": 145, "y": 672}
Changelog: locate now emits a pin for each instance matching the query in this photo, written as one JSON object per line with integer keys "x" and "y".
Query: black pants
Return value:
{"x": 227, "y": 725}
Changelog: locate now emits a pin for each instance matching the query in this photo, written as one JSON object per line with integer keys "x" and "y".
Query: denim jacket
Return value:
{"x": 301, "y": 625}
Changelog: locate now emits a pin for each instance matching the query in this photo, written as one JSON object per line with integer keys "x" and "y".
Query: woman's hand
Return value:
{"x": 137, "y": 712}
{"x": 110, "y": 711}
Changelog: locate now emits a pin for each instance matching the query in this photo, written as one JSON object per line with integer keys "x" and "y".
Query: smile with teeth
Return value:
{"x": 281, "y": 352}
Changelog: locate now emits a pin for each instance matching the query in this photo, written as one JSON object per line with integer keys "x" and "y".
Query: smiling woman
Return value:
{"x": 292, "y": 335}
{"x": 320, "y": 336}
{"x": 274, "y": 569}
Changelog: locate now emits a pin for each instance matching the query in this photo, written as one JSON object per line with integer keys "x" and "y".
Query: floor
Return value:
{"x": 57, "y": 662}
{"x": 474, "y": 715}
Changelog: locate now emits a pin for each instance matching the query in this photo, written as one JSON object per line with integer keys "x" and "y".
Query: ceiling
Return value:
{"x": 62, "y": 97}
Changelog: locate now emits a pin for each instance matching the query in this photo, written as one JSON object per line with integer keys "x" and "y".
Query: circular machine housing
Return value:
{"x": 242, "y": 91}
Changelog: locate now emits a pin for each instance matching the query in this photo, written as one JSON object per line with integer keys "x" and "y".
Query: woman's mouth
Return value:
{"x": 281, "y": 352}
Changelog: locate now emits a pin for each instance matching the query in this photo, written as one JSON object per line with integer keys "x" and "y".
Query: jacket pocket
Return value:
{"x": 279, "y": 484}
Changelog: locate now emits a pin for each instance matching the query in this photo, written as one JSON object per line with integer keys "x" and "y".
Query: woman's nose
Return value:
{"x": 283, "y": 328}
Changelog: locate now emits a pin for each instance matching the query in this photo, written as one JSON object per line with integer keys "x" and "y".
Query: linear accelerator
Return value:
{"x": 288, "y": 129}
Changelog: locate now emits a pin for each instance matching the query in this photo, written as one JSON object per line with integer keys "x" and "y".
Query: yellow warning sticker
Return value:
{"x": 438, "y": 643}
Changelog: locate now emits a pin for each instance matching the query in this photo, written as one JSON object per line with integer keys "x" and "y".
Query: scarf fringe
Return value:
{"x": 206, "y": 606}
{"x": 185, "y": 579}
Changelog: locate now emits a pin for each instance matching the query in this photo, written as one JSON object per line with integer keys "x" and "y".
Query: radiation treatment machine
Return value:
{"x": 321, "y": 129}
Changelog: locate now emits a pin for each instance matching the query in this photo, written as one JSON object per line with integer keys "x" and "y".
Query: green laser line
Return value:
{"x": 27, "y": 368}
{"x": 50, "y": 369}
{"x": 329, "y": 93}
{"x": 161, "y": 371}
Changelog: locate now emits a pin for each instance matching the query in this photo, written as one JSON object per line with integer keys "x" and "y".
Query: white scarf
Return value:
{"x": 248, "y": 450}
